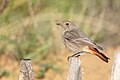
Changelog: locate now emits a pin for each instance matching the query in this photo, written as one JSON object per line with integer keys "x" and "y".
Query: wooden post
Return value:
{"x": 26, "y": 72}
{"x": 74, "y": 70}
{"x": 115, "y": 74}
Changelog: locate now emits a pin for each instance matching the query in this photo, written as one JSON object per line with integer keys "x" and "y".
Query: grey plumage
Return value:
{"x": 78, "y": 42}
{"x": 78, "y": 39}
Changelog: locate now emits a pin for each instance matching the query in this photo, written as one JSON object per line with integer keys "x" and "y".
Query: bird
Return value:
{"x": 78, "y": 42}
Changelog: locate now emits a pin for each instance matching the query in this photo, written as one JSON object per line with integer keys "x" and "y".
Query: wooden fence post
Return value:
{"x": 115, "y": 74}
{"x": 26, "y": 72}
{"x": 74, "y": 70}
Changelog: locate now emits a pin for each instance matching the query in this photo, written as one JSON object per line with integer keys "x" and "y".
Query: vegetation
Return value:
{"x": 28, "y": 27}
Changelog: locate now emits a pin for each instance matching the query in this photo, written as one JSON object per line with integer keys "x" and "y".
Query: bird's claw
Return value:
{"x": 69, "y": 57}
{"x": 72, "y": 56}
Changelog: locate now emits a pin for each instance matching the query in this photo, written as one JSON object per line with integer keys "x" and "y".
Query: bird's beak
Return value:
{"x": 58, "y": 23}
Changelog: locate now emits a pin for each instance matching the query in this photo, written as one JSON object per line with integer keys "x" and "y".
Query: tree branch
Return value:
{"x": 3, "y": 5}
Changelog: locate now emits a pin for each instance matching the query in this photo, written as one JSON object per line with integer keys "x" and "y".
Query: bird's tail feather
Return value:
{"x": 102, "y": 56}
{"x": 99, "y": 54}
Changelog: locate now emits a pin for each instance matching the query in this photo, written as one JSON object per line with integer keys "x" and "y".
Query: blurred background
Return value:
{"x": 28, "y": 30}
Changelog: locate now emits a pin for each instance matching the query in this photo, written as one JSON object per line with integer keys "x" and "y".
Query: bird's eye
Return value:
{"x": 67, "y": 24}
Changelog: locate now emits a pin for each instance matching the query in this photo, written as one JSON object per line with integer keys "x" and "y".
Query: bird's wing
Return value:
{"x": 80, "y": 38}
{"x": 85, "y": 41}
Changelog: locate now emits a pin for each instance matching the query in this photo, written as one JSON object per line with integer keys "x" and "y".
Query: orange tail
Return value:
{"x": 99, "y": 54}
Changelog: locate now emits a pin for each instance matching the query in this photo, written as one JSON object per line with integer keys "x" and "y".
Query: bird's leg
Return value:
{"x": 76, "y": 54}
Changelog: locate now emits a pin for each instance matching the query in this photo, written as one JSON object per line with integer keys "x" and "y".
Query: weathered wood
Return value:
{"x": 74, "y": 70}
{"x": 26, "y": 72}
{"x": 115, "y": 74}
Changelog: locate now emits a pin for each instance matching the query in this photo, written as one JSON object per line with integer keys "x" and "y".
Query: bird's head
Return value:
{"x": 67, "y": 25}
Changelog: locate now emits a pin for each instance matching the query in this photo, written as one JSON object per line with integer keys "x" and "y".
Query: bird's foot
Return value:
{"x": 74, "y": 55}
{"x": 69, "y": 57}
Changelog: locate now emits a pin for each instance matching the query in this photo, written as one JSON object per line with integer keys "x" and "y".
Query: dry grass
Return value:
{"x": 28, "y": 30}
{"x": 93, "y": 67}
